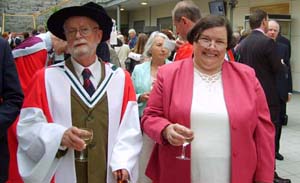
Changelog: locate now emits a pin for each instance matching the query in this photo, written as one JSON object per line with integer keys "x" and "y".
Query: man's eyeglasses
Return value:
{"x": 207, "y": 42}
{"x": 84, "y": 31}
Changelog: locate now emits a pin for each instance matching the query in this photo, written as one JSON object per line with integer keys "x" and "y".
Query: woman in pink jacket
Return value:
{"x": 220, "y": 105}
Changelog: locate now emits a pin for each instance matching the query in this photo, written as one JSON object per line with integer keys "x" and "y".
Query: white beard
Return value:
{"x": 81, "y": 51}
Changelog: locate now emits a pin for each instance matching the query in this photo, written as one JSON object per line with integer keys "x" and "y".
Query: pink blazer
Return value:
{"x": 251, "y": 130}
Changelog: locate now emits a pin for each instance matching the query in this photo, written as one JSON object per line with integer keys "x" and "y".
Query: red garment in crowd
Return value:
{"x": 28, "y": 65}
{"x": 230, "y": 55}
{"x": 30, "y": 56}
{"x": 184, "y": 51}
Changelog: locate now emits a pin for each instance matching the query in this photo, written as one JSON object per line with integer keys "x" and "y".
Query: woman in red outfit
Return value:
{"x": 220, "y": 105}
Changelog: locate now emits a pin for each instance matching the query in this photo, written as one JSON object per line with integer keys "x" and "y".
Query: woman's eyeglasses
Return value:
{"x": 207, "y": 42}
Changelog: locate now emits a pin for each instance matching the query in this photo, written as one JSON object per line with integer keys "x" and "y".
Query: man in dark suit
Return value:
{"x": 285, "y": 41}
{"x": 284, "y": 83}
{"x": 11, "y": 98}
{"x": 259, "y": 52}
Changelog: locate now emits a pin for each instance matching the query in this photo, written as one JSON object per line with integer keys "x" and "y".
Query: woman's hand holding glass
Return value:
{"x": 177, "y": 135}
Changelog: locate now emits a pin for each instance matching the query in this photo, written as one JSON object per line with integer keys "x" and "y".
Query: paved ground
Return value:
{"x": 290, "y": 143}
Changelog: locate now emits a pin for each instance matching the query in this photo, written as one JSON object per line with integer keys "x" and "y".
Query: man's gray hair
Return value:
{"x": 131, "y": 30}
{"x": 186, "y": 9}
{"x": 275, "y": 21}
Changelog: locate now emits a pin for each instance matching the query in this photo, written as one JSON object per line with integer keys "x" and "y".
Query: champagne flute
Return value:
{"x": 87, "y": 137}
{"x": 186, "y": 142}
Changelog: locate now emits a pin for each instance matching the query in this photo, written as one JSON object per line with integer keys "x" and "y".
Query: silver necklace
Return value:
{"x": 210, "y": 79}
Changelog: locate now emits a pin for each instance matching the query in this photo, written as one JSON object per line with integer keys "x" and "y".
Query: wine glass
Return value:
{"x": 87, "y": 137}
{"x": 187, "y": 141}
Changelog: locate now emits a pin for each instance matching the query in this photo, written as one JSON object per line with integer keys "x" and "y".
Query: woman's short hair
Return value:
{"x": 150, "y": 41}
{"x": 208, "y": 22}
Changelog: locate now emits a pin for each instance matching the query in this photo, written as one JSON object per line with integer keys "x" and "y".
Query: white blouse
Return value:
{"x": 210, "y": 149}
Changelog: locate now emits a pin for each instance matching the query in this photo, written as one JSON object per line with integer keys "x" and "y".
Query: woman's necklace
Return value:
{"x": 210, "y": 79}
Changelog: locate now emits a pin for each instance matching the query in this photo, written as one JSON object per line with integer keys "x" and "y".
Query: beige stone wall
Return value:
{"x": 295, "y": 41}
{"x": 155, "y": 12}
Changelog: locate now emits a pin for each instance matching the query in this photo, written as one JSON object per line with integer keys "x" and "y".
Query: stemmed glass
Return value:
{"x": 87, "y": 137}
{"x": 187, "y": 141}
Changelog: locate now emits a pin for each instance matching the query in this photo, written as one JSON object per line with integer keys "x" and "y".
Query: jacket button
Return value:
{"x": 90, "y": 118}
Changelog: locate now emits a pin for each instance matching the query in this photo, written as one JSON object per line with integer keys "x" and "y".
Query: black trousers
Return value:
{"x": 278, "y": 125}
{"x": 278, "y": 128}
{"x": 4, "y": 158}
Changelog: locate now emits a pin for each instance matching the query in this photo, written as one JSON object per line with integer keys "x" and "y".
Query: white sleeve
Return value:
{"x": 46, "y": 37}
{"x": 129, "y": 143}
{"x": 38, "y": 144}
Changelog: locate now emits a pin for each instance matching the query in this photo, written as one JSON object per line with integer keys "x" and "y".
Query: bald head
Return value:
{"x": 273, "y": 29}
